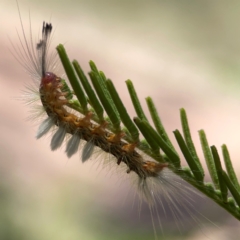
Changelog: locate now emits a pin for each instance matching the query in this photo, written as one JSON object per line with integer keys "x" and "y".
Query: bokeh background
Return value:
{"x": 181, "y": 53}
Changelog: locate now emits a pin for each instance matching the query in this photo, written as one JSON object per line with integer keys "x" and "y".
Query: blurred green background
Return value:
{"x": 182, "y": 53}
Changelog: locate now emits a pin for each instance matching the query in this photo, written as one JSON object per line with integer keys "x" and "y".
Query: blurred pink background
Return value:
{"x": 182, "y": 54}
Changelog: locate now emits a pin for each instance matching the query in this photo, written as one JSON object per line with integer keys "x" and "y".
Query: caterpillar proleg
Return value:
{"x": 83, "y": 126}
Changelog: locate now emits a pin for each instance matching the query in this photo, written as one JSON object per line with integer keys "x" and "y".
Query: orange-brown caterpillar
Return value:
{"x": 55, "y": 103}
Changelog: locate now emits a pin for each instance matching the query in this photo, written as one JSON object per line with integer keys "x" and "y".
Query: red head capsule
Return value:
{"x": 49, "y": 77}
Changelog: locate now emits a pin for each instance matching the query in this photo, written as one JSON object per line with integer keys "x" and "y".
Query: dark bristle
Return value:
{"x": 46, "y": 31}
{"x": 42, "y": 44}
{"x": 47, "y": 28}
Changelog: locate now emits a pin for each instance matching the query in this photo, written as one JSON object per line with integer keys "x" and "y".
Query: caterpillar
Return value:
{"x": 154, "y": 178}
{"x": 54, "y": 101}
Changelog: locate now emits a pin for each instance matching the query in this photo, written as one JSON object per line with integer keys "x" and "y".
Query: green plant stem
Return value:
{"x": 188, "y": 139}
{"x": 229, "y": 167}
{"x": 72, "y": 77}
{"x": 218, "y": 166}
{"x": 190, "y": 160}
{"x": 135, "y": 100}
{"x": 209, "y": 158}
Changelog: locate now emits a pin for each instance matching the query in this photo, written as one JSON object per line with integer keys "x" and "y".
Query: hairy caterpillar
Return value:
{"x": 55, "y": 103}
{"x": 77, "y": 127}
